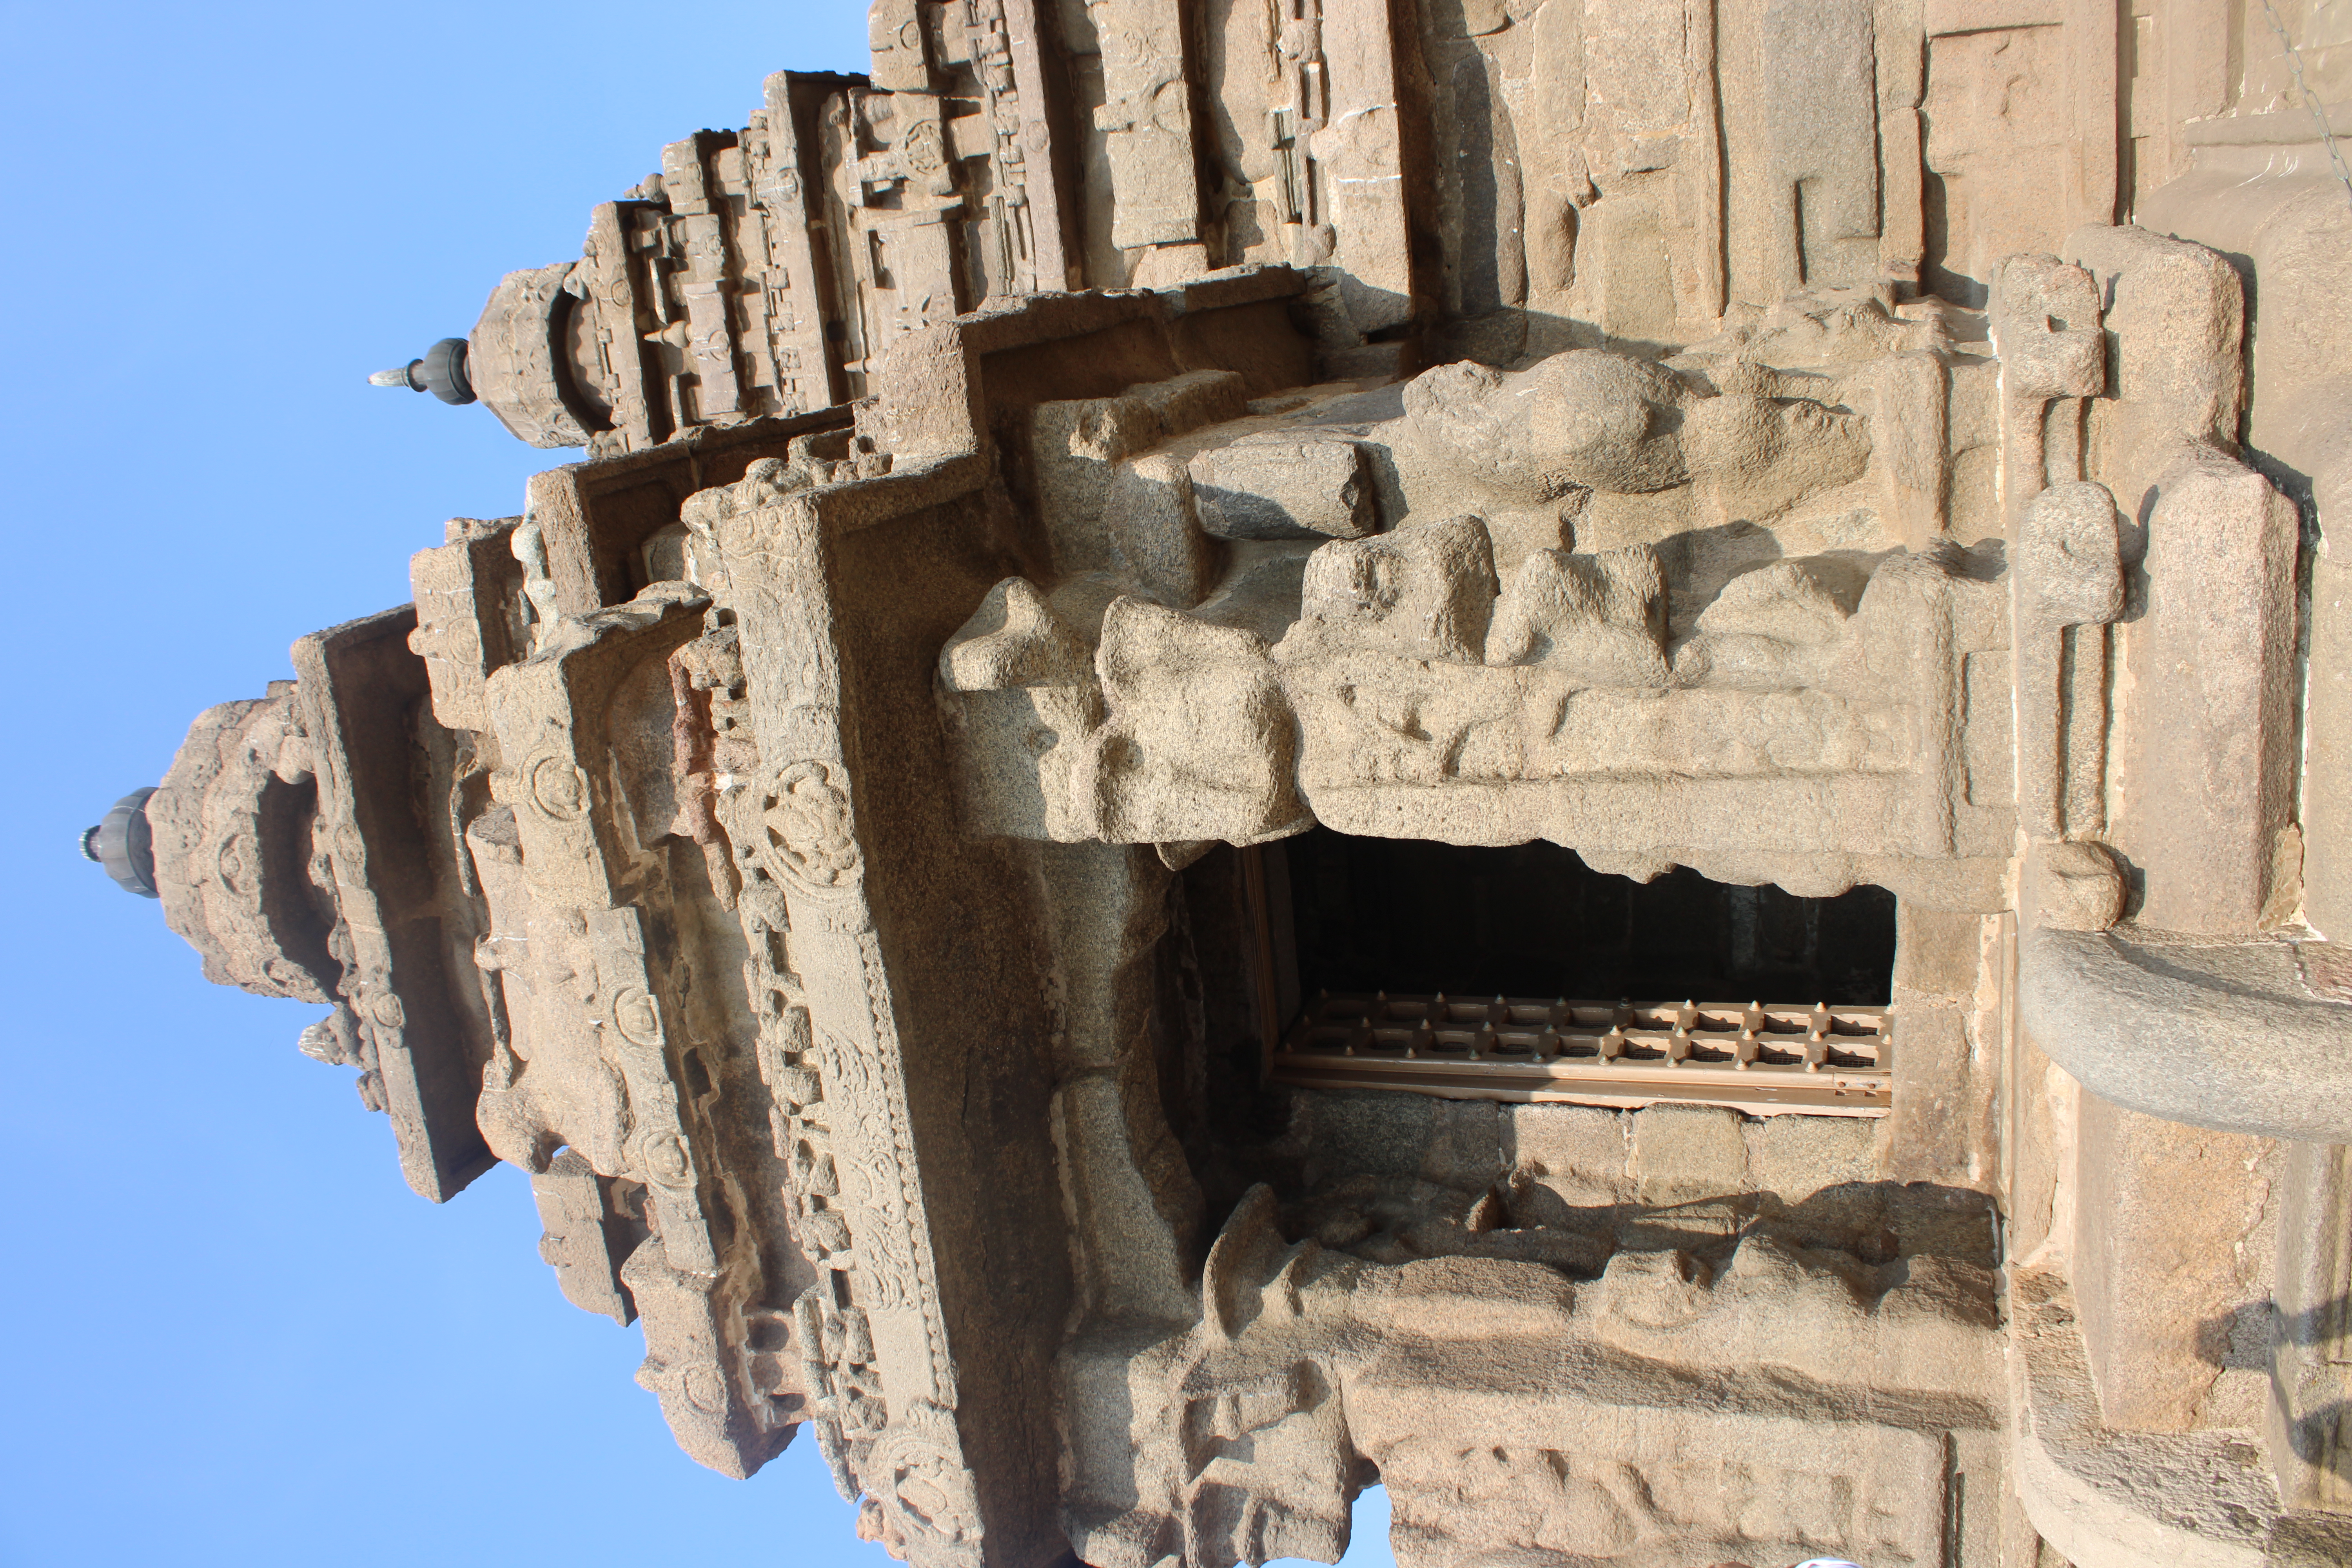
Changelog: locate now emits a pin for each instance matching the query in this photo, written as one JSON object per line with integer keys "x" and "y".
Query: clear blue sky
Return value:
{"x": 234, "y": 1337}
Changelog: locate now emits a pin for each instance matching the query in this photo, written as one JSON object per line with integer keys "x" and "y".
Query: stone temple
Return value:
{"x": 1584, "y": 755}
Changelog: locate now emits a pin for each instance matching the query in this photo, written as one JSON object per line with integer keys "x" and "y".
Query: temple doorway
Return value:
{"x": 1532, "y": 919}
{"x": 1521, "y": 973}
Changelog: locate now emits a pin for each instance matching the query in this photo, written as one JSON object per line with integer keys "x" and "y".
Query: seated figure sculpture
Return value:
{"x": 1590, "y": 421}
{"x": 1677, "y": 592}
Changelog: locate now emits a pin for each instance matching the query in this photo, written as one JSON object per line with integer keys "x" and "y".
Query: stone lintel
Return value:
{"x": 367, "y": 709}
{"x": 594, "y": 516}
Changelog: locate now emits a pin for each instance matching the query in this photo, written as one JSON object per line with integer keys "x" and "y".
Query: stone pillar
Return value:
{"x": 2169, "y": 1246}
{"x": 2306, "y": 1430}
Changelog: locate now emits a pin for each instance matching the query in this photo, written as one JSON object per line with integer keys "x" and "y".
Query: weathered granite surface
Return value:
{"x": 834, "y": 838}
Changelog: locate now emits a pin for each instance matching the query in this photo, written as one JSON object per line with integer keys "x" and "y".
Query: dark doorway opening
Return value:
{"x": 1405, "y": 915}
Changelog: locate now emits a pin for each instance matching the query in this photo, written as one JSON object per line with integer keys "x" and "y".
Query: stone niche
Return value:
{"x": 1553, "y": 754}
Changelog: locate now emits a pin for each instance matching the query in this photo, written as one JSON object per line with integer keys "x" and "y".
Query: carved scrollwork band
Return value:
{"x": 804, "y": 838}
{"x": 882, "y": 1386}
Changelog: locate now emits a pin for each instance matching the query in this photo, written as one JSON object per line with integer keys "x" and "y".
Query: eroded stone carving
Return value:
{"x": 832, "y": 838}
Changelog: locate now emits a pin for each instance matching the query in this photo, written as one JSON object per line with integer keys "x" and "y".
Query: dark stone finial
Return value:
{"x": 122, "y": 843}
{"x": 441, "y": 373}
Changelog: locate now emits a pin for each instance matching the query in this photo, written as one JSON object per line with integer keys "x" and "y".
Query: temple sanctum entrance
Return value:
{"x": 1404, "y": 914}
{"x": 1520, "y": 973}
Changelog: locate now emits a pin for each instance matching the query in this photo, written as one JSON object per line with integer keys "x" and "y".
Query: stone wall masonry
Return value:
{"x": 834, "y": 838}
